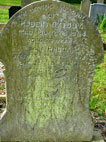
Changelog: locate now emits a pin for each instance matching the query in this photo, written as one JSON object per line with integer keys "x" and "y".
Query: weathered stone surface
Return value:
{"x": 26, "y": 2}
{"x": 85, "y": 6}
{"x": 50, "y": 50}
{"x": 100, "y": 1}
{"x": 96, "y": 9}
{"x": 2, "y": 26}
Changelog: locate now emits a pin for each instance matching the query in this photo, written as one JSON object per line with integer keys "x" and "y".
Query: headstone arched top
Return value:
{"x": 85, "y": 6}
{"x": 26, "y": 2}
{"x": 50, "y": 50}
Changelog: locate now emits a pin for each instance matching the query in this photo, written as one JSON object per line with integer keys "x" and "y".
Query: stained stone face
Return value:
{"x": 26, "y": 2}
{"x": 85, "y": 5}
{"x": 1, "y": 26}
{"x": 50, "y": 51}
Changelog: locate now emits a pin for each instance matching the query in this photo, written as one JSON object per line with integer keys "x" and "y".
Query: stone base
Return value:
{"x": 97, "y": 137}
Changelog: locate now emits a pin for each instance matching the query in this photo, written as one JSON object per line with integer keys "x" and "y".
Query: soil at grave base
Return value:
{"x": 4, "y": 6}
{"x": 102, "y": 128}
{"x": 99, "y": 124}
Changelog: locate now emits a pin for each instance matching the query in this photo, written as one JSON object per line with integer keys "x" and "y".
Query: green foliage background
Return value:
{"x": 98, "y": 93}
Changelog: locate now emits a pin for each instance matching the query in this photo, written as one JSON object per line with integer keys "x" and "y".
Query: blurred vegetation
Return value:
{"x": 98, "y": 93}
{"x": 101, "y": 22}
{"x": 4, "y": 15}
{"x": 10, "y": 2}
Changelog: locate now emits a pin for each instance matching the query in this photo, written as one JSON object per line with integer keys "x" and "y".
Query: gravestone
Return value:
{"x": 50, "y": 50}
{"x": 100, "y": 1}
{"x": 95, "y": 10}
{"x": 2, "y": 26}
{"x": 26, "y": 2}
{"x": 85, "y": 5}
{"x": 13, "y": 10}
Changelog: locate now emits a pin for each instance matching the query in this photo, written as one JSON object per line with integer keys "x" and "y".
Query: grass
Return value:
{"x": 10, "y": 2}
{"x": 103, "y": 35}
{"x": 98, "y": 94}
{"x": 76, "y": 5}
{"x": 4, "y": 15}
